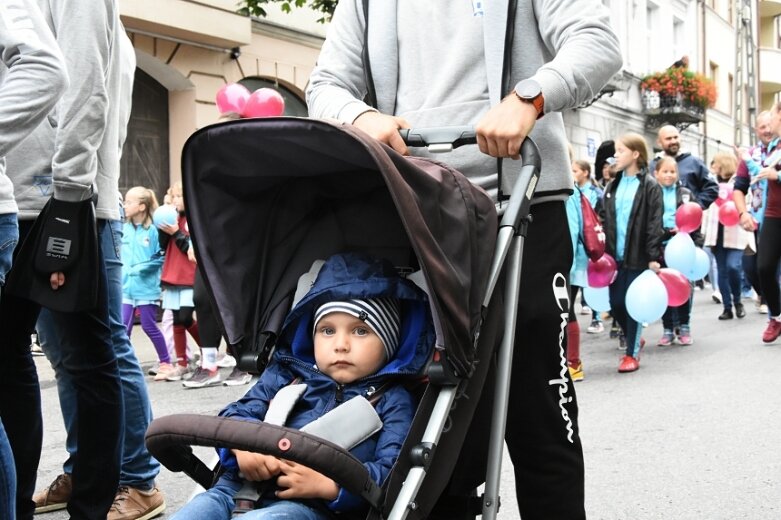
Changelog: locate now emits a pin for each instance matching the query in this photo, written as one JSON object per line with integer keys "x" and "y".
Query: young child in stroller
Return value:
{"x": 361, "y": 330}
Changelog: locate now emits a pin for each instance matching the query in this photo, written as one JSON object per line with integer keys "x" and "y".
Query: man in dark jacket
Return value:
{"x": 692, "y": 172}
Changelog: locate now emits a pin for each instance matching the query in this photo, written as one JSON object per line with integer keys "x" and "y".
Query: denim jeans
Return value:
{"x": 9, "y": 236}
{"x": 217, "y": 504}
{"x": 730, "y": 262}
{"x": 7, "y": 477}
{"x": 138, "y": 468}
{"x": 87, "y": 355}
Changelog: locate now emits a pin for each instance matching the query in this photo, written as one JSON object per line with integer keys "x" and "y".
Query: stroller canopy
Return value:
{"x": 265, "y": 198}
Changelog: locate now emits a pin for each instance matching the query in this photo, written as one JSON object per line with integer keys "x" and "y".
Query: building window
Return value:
{"x": 731, "y": 94}
{"x": 652, "y": 33}
{"x": 679, "y": 39}
{"x": 294, "y": 102}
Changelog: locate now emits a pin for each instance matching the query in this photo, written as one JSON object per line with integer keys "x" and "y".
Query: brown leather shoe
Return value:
{"x": 134, "y": 504}
{"x": 55, "y": 496}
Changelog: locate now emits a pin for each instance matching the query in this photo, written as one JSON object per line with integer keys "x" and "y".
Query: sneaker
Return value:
{"x": 762, "y": 308}
{"x": 596, "y": 327}
{"x": 203, "y": 378}
{"x": 716, "y": 297}
{"x": 772, "y": 331}
{"x": 576, "y": 372}
{"x": 163, "y": 371}
{"x": 726, "y": 315}
{"x": 134, "y": 504}
{"x": 178, "y": 373}
{"x": 740, "y": 311}
{"x": 628, "y": 364}
{"x": 615, "y": 330}
{"x": 621, "y": 342}
{"x": 226, "y": 361}
{"x": 685, "y": 336}
{"x": 153, "y": 370}
{"x": 237, "y": 378}
{"x": 55, "y": 496}
{"x": 585, "y": 310}
{"x": 667, "y": 338}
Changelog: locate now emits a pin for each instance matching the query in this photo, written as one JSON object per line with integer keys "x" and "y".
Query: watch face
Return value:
{"x": 528, "y": 89}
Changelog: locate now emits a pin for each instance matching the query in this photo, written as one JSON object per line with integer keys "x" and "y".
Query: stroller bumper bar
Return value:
{"x": 169, "y": 439}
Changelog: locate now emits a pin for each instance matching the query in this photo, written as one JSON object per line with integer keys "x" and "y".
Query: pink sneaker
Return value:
{"x": 666, "y": 339}
{"x": 163, "y": 371}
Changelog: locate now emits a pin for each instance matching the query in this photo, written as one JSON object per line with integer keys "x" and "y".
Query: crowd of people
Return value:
{"x": 637, "y": 198}
{"x": 64, "y": 108}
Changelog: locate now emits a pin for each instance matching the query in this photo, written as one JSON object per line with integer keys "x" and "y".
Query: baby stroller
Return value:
{"x": 266, "y": 198}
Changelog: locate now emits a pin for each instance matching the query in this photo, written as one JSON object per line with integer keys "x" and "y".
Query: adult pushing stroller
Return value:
{"x": 266, "y": 198}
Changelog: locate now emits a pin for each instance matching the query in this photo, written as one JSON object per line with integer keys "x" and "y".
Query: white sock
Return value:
{"x": 209, "y": 359}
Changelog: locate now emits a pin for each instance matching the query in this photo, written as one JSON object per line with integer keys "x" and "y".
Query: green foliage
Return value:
{"x": 256, "y": 7}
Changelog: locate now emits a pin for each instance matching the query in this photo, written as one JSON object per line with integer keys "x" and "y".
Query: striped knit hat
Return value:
{"x": 380, "y": 314}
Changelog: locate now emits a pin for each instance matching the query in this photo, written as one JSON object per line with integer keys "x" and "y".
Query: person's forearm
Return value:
{"x": 36, "y": 75}
{"x": 84, "y": 35}
{"x": 740, "y": 201}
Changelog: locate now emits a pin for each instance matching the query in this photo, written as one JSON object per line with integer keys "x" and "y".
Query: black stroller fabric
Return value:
{"x": 267, "y": 197}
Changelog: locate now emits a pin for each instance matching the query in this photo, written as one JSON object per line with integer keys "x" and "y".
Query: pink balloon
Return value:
{"x": 677, "y": 285}
{"x": 728, "y": 214}
{"x": 688, "y": 217}
{"x": 232, "y": 98}
{"x": 264, "y": 102}
{"x": 602, "y": 272}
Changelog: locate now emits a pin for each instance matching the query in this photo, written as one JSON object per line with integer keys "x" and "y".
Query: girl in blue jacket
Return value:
{"x": 142, "y": 262}
{"x": 359, "y": 327}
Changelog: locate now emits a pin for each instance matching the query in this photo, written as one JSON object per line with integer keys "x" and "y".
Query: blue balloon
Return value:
{"x": 700, "y": 267}
{"x": 679, "y": 253}
{"x": 598, "y": 298}
{"x": 164, "y": 215}
{"x": 646, "y": 298}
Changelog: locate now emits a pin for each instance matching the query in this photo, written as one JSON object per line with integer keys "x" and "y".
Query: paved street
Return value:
{"x": 692, "y": 435}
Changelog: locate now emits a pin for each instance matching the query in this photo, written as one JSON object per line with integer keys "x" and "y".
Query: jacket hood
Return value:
{"x": 356, "y": 275}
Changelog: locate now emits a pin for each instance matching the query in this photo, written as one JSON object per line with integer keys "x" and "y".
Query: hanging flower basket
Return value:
{"x": 676, "y": 96}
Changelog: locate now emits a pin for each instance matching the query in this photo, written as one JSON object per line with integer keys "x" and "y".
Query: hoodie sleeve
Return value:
{"x": 337, "y": 84}
{"x": 84, "y": 32}
{"x": 396, "y": 409}
{"x": 587, "y": 53}
{"x": 36, "y": 76}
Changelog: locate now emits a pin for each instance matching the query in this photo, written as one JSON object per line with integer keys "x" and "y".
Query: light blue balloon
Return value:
{"x": 646, "y": 298}
{"x": 598, "y": 298}
{"x": 164, "y": 215}
{"x": 679, "y": 253}
{"x": 700, "y": 267}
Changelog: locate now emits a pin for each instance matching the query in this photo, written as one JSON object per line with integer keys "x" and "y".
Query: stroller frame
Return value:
{"x": 170, "y": 438}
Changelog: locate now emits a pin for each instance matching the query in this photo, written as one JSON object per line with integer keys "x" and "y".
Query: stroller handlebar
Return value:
{"x": 439, "y": 139}
{"x": 443, "y": 139}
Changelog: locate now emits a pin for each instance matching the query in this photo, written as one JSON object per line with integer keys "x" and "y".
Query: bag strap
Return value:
{"x": 371, "y": 93}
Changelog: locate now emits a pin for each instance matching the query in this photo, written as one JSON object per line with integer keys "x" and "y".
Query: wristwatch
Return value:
{"x": 529, "y": 91}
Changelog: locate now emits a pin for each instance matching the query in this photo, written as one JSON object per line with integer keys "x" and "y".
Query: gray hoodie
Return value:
{"x": 567, "y": 47}
{"x": 76, "y": 151}
{"x": 32, "y": 79}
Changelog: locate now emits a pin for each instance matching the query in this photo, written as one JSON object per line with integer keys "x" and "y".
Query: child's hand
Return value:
{"x": 168, "y": 229}
{"x": 256, "y": 466}
{"x": 191, "y": 255}
{"x": 303, "y": 482}
{"x": 654, "y": 266}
